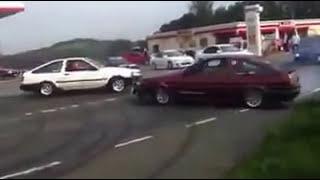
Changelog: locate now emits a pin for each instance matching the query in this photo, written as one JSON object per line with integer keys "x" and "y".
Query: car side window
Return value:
{"x": 214, "y": 66}
{"x": 243, "y": 66}
{"x": 210, "y": 50}
{"x": 50, "y": 68}
{"x": 78, "y": 65}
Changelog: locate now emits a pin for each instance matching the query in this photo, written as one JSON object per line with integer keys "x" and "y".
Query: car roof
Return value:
{"x": 216, "y": 56}
{"x": 171, "y": 50}
{"x": 220, "y": 45}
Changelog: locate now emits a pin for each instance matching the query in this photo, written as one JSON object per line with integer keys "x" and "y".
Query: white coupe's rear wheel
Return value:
{"x": 253, "y": 98}
{"x": 46, "y": 89}
{"x": 118, "y": 84}
{"x": 162, "y": 96}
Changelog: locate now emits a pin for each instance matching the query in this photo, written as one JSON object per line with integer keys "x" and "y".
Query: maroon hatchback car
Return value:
{"x": 223, "y": 78}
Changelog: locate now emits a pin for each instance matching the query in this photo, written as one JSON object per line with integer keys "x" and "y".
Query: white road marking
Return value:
{"x": 48, "y": 110}
{"x": 29, "y": 171}
{"x": 75, "y": 106}
{"x": 110, "y": 99}
{"x": 201, "y": 122}
{"x": 29, "y": 114}
{"x": 93, "y": 102}
{"x": 244, "y": 110}
{"x": 316, "y": 90}
{"x": 62, "y": 108}
{"x": 133, "y": 141}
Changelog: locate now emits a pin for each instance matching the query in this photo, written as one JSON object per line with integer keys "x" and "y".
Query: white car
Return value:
{"x": 76, "y": 74}
{"x": 170, "y": 59}
{"x": 220, "y": 49}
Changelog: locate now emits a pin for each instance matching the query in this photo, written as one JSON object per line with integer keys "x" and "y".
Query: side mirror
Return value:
{"x": 191, "y": 70}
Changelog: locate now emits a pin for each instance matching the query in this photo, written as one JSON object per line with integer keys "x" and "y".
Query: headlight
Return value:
{"x": 297, "y": 55}
{"x": 137, "y": 73}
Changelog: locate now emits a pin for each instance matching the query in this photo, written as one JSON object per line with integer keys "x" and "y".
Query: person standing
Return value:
{"x": 295, "y": 41}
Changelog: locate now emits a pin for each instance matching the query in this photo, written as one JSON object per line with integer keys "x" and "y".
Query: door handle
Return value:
{"x": 66, "y": 74}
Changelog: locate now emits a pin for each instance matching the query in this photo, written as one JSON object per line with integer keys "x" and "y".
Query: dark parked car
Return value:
{"x": 223, "y": 78}
{"x": 309, "y": 50}
{"x": 120, "y": 62}
{"x": 8, "y": 73}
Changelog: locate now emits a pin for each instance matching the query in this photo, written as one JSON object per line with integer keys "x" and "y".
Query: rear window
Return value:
{"x": 50, "y": 68}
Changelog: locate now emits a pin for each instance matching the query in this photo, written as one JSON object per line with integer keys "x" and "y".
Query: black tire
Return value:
{"x": 170, "y": 65}
{"x": 118, "y": 84}
{"x": 154, "y": 66}
{"x": 47, "y": 89}
{"x": 253, "y": 98}
{"x": 162, "y": 96}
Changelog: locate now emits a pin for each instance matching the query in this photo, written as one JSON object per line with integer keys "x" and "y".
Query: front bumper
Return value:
{"x": 182, "y": 64}
{"x": 283, "y": 94}
{"x": 29, "y": 87}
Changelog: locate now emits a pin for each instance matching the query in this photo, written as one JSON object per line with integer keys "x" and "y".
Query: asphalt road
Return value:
{"x": 105, "y": 135}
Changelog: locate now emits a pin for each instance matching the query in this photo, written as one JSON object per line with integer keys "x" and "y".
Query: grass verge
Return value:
{"x": 291, "y": 150}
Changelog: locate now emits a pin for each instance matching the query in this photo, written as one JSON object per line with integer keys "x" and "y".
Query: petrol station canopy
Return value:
{"x": 8, "y": 8}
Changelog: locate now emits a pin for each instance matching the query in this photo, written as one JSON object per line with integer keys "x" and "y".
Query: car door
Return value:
{"x": 208, "y": 80}
{"x": 247, "y": 74}
{"x": 80, "y": 74}
{"x": 159, "y": 60}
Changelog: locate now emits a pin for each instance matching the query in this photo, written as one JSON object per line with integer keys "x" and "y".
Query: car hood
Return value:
{"x": 119, "y": 70}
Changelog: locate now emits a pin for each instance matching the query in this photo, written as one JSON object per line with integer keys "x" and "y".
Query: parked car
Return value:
{"x": 225, "y": 77}
{"x": 221, "y": 49}
{"x": 120, "y": 62}
{"x": 76, "y": 74}
{"x": 137, "y": 55}
{"x": 170, "y": 59}
{"x": 8, "y": 73}
{"x": 308, "y": 51}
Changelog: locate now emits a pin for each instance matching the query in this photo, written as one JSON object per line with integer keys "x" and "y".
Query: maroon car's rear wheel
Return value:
{"x": 253, "y": 98}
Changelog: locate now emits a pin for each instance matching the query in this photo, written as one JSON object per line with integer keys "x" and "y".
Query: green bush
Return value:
{"x": 289, "y": 151}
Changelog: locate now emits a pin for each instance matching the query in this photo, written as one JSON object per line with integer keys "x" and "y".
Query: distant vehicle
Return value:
{"x": 120, "y": 62}
{"x": 224, "y": 77}
{"x": 137, "y": 55}
{"x": 170, "y": 59}
{"x": 8, "y": 73}
{"x": 76, "y": 74}
{"x": 221, "y": 49}
{"x": 308, "y": 50}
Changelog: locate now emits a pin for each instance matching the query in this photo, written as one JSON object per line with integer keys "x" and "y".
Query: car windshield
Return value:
{"x": 229, "y": 49}
{"x": 173, "y": 53}
{"x": 96, "y": 63}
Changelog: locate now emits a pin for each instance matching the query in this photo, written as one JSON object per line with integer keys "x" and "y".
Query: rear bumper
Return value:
{"x": 283, "y": 94}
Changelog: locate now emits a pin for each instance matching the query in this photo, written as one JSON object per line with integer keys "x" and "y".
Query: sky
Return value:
{"x": 44, "y": 23}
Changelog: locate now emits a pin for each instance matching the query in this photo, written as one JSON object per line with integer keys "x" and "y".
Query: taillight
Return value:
{"x": 294, "y": 78}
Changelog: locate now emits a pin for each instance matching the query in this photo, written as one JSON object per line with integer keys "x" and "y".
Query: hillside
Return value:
{"x": 77, "y": 47}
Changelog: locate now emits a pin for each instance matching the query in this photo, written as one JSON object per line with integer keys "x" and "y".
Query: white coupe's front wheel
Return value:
{"x": 118, "y": 85}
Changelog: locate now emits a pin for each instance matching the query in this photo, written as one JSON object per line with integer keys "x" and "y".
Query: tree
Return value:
{"x": 203, "y": 11}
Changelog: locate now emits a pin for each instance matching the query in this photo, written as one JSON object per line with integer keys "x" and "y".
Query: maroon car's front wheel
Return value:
{"x": 253, "y": 98}
{"x": 162, "y": 96}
